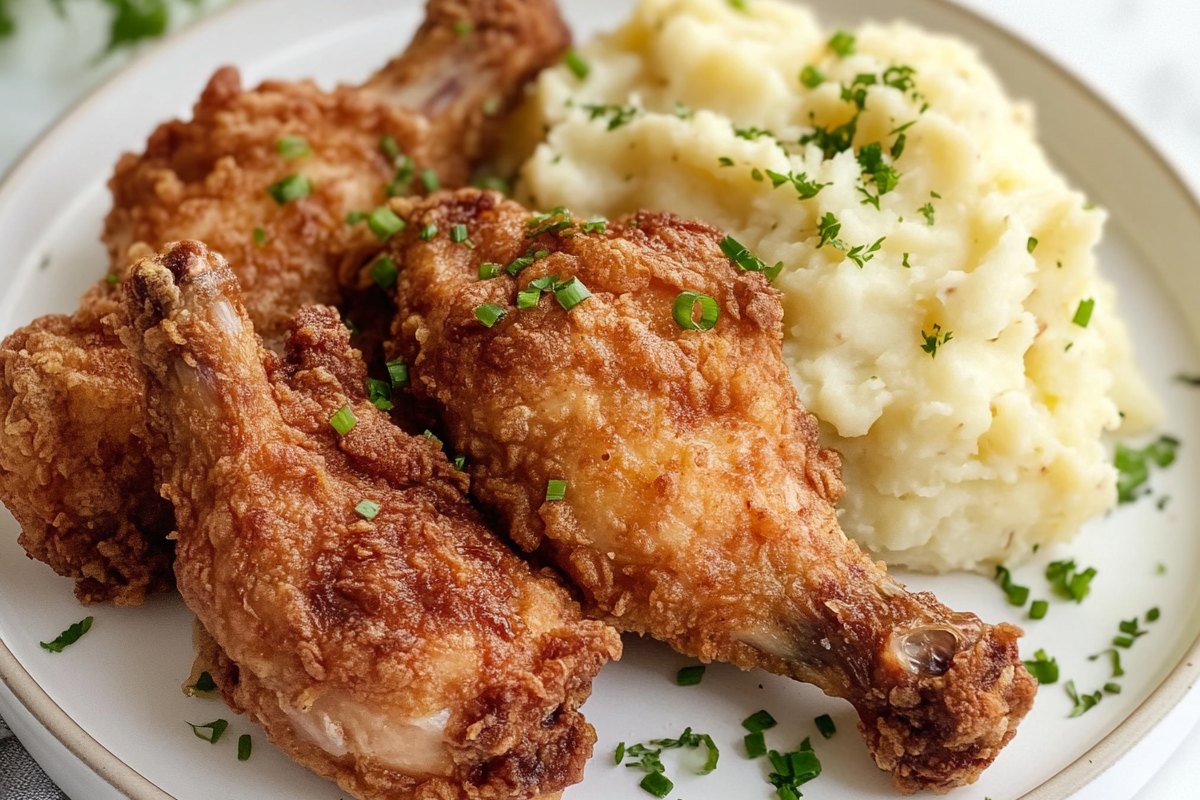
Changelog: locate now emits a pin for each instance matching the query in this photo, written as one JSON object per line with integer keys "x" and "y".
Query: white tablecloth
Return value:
{"x": 1140, "y": 54}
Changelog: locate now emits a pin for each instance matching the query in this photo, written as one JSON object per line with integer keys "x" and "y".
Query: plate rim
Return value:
{"x": 1083, "y": 772}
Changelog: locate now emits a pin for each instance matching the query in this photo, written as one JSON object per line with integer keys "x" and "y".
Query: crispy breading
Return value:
{"x": 403, "y": 651}
{"x": 699, "y": 506}
{"x": 86, "y": 499}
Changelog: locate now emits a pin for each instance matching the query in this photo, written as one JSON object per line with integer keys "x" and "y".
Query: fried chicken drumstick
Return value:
{"x": 74, "y": 464}
{"x": 699, "y": 507}
{"x": 398, "y": 648}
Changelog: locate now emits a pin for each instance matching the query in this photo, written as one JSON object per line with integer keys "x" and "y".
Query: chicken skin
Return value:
{"x": 381, "y": 634}
{"x": 75, "y": 469}
{"x": 698, "y": 506}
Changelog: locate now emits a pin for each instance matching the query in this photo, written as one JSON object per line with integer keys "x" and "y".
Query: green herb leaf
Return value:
{"x": 1115, "y": 656}
{"x": 616, "y": 115}
{"x": 429, "y": 177}
{"x": 136, "y": 20}
{"x": 935, "y": 340}
{"x": 811, "y": 77}
{"x": 1133, "y": 466}
{"x": 293, "y": 187}
{"x": 726, "y": 161}
{"x": 260, "y": 237}
{"x": 1043, "y": 668}
{"x": 657, "y": 784}
{"x": 384, "y": 223}
{"x": 367, "y": 509}
{"x": 1083, "y": 703}
{"x": 556, "y": 489}
{"x": 577, "y": 64}
{"x": 244, "y": 745}
{"x": 463, "y": 28}
{"x": 738, "y": 254}
{"x": 380, "y": 394}
{"x": 384, "y": 272}
{"x": 293, "y": 147}
{"x": 214, "y": 730}
{"x": 759, "y": 721}
{"x": 690, "y": 676}
{"x": 828, "y": 227}
{"x": 1153, "y": 614}
{"x": 204, "y": 684}
{"x": 1083, "y": 314}
{"x": 927, "y": 210}
{"x": 397, "y": 373}
{"x": 70, "y": 636}
{"x": 619, "y": 755}
{"x": 1038, "y": 609}
{"x": 825, "y": 725}
{"x": 756, "y": 744}
{"x": 1017, "y": 595}
{"x": 489, "y": 313}
{"x": 1031, "y": 245}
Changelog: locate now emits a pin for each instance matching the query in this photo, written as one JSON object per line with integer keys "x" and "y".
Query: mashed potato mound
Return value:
{"x": 955, "y": 341}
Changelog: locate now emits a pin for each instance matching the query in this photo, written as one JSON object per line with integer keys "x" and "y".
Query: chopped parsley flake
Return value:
{"x": 690, "y": 676}
{"x": 112, "y": 278}
{"x": 616, "y": 115}
{"x": 832, "y": 140}
{"x": 682, "y": 111}
{"x": 876, "y": 170}
{"x": 752, "y": 133}
{"x": 935, "y": 340}
{"x": 927, "y": 210}
{"x": 811, "y": 77}
{"x": 1043, "y": 668}
{"x": 805, "y": 188}
{"x": 843, "y": 43}
{"x": 739, "y": 5}
{"x": 1083, "y": 703}
{"x": 1067, "y": 582}
{"x": 862, "y": 253}
{"x": 1083, "y": 314}
{"x": 905, "y": 263}
{"x": 1017, "y": 595}
{"x": 293, "y": 187}
{"x": 647, "y": 758}
{"x": 726, "y": 161}
{"x": 899, "y": 77}
{"x": 1031, "y": 245}
{"x": 1132, "y": 632}
{"x": 1112, "y": 688}
{"x": 1133, "y": 466}
{"x": 1115, "y": 657}
{"x": 293, "y": 147}
{"x": 828, "y": 227}
{"x": 70, "y": 636}
{"x": 756, "y": 174}
{"x": 214, "y": 730}
{"x": 367, "y": 509}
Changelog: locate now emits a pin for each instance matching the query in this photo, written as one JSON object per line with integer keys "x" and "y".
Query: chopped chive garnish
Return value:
{"x": 1112, "y": 688}
{"x": 843, "y": 43}
{"x": 1083, "y": 703}
{"x": 460, "y": 463}
{"x": 70, "y": 636}
{"x": 429, "y": 177}
{"x": 463, "y": 28}
{"x": 384, "y": 223}
{"x": 204, "y": 684}
{"x": 384, "y": 272}
{"x": 725, "y": 161}
{"x": 260, "y": 237}
{"x": 1115, "y": 657}
{"x": 1123, "y": 641}
{"x": 1038, "y": 609}
{"x": 825, "y": 725}
{"x": 380, "y": 394}
{"x": 214, "y": 728}
{"x": 595, "y": 225}
{"x": 397, "y": 373}
{"x": 812, "y": 77}
{"x": 657, "y": 784}
{"x": 343, "y": 421}
{"x": 556, "y": 489}
{"x": 570, "y": 293}
{"x": 685, "y": 308}
{"x": 489, "y": 270}
{"x": 113, "y": 278}
{"x": 429, "y": 231}
{"x": 1031, "y": 245}
{"x": 1067, "y": 582}
{"x": 756, "y": 744}
{"x": 489, "y": 313}
{"x": 690, "y": 676}
{"x": 244, "y": 745}
{"x": 491, "y": 106}
{"x": 390, "y": 147}
{"x": 1083, "y": 314}
{"x": 1017, "y": 595}
{"x": 792, "y": 770}
{"x": 1133, "y": 466}
{"x": 528, "y": 298}
{"x": 577, "y": 64}
{"x": 1043, "y": 668}
{"x": 759, "y": 721}
{"x": 355, "y": 217}
{"x": 293, "y": 187}
{"x": 292, "y": 147}
{"x": 367, "y": 509}
{"x": 619, "y": 755}
{"x": 403, "y": 179}
{"x": 494, "y": 183}
{"x": 1153, "y": 614}
{"x": 738, "y": 254}
{"x": 458, "y": 234}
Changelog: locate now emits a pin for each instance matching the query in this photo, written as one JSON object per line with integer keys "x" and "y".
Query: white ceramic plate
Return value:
{"x": 107, "y": 718}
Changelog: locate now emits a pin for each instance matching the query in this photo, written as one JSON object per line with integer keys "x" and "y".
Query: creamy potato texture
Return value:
{"x": 943, "y": 314}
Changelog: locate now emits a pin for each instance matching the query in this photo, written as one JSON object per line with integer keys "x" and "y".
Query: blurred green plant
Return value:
{"x": 132, "y": 20}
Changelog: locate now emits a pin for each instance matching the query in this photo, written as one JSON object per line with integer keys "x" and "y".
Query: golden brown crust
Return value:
{"x": 416, "y": 611}
{"x": 700, "y": 504}
{"x": 84, "y": 493}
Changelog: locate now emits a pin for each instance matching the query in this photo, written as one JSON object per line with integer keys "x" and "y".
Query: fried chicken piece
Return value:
{"x": 699, "y": 506}
{"x": 399, "y": 649}
{"x": 84, "y": 492}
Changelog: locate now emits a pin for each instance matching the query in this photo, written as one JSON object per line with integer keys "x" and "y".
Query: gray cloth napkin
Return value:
{"x": 20, "y": 776}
